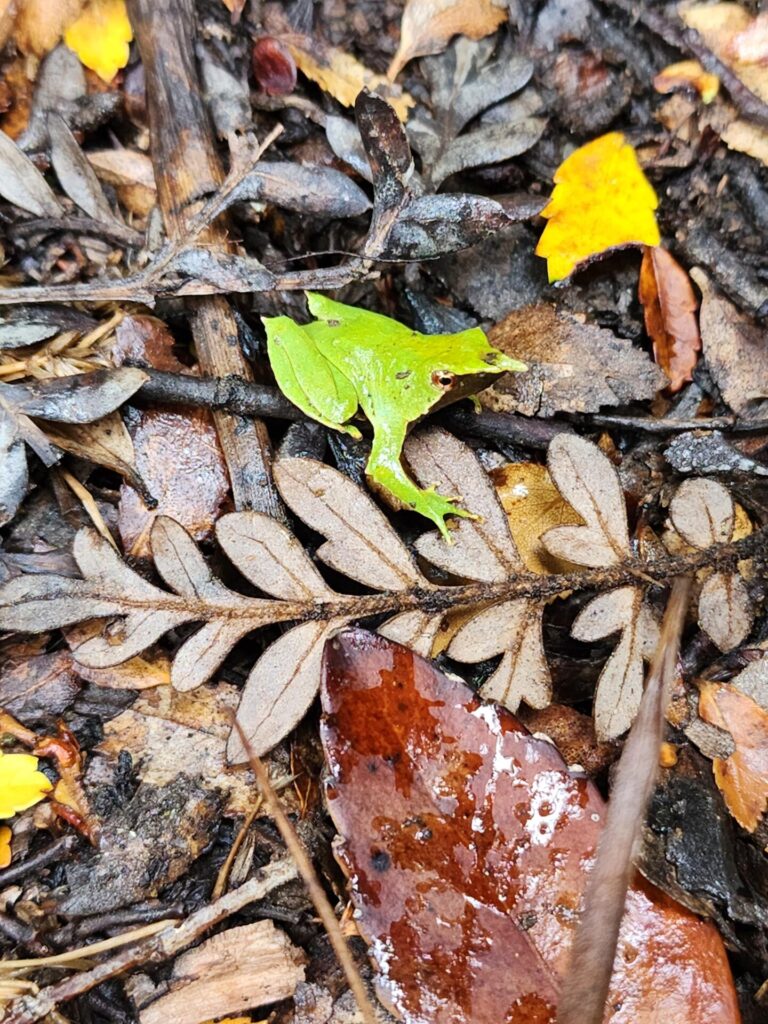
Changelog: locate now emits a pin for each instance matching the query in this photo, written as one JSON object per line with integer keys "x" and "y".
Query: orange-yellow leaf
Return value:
{"x": 429, "y": 25}
{"x": 669, "y": 305}
{"x": 21, "y": 784}
{"x": 342, "y": 75}
{"x": 743, "y": 777}
{"x": 5, "y": 846}
{"x": 601, "y": 201}
{"x": 533, "y": 505}
{"x": 100, "y": 37}
{"x": 687, "y": 74}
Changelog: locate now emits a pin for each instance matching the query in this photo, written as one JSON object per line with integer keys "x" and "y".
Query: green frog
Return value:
{"x": 350, "y": 358}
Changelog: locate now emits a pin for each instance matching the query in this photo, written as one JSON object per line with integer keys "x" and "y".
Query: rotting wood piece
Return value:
{"x": 187, "y": 170}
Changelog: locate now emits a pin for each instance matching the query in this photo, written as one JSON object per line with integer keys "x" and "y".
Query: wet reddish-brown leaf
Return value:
{"x": 177, "y": 451}
{"x": 669, "y": 305}
{"x": 467, "y": 842}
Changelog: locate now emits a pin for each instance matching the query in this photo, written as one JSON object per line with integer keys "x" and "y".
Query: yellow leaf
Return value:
{"x": 100, "y": 37}
{"x": 21, "y": 784}
{"x": 601, "y": 201}
{"x": 5, "y": 846}
{"x": 342, "y": 75}
{"x": 533, "y": 505}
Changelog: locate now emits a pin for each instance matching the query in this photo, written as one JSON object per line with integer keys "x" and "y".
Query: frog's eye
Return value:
{"x": 443, "y": 379}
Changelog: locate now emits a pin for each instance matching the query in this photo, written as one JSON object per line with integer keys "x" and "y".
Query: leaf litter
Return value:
{"x": 631, "y": 453}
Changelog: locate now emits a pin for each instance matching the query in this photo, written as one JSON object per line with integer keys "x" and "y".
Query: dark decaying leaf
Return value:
{"x": 468, "y": 842}
{"x": 406, "y": 224}
{"x": 77, "y": 177}
{"x": 36, "y": 688}
{"x": 392, "y": 171}
{"x": 465, "y": 81}
{"x": 225, "y": 270}
{"x": 572, "y": 366}
{"x": 26, "y": 325}
{"x": 179, "y": 819}
{"x": 323, "y": 191}
{"x": 79, "y": 399}
{"x": 22, "y": 184}
{"x": 82, "y": 398}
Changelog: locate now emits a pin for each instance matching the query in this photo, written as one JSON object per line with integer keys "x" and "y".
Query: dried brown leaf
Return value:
{"x": 106, "y": 442}
{"x": 533, "y": 505}
{"x": 670, "y": 308}
{"x": 179, "y": 459}
{"x": 702, "y": 512}
{"x": 512, "y": 629}
{"x": 428, "y": 26}
{"x": 482, "y": 548}
{"x": 734, "y": 348}
{"x": 620, "y": 686}
{"x": 572, "y": 366}
{"x": 360, "y": 542}
{"x": 590, "y": 484}
{"x": 726, "y": 611}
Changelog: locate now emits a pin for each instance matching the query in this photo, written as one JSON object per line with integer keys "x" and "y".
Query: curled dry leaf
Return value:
{"x": 428, "y": 26}
{"x": 734, "y": 348}
{"x": 670, "y": 307}
{"x": 743, "y": 777}
{"x": 703, "y": 513}
{"x": 572, "y": 366}
{"x": 468, "y": 842}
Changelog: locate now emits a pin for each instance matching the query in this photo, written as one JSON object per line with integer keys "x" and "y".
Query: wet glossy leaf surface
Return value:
{"x": 467, "y": 843}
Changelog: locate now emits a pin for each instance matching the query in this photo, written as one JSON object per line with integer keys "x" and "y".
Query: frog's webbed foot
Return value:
{"x": 436, "y": 507}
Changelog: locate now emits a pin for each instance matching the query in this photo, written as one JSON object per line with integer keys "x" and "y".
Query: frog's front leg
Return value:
{"x": 385, "y": 468}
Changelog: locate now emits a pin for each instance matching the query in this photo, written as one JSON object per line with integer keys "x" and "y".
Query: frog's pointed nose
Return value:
{"x": 501, "y": 362}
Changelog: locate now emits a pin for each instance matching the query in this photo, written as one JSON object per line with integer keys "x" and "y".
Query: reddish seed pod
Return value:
{"x": 273, "y": 66}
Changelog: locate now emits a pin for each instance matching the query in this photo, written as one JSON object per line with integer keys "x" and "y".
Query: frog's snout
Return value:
{"x": 501, "y": 361}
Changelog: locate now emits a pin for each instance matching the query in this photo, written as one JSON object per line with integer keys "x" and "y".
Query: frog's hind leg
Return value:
{"x": 385, "y": 469}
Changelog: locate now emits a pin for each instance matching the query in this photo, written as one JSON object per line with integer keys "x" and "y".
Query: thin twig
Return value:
{"x": 28, "y": 1009}
{"x": 649, "y": 425}
{"x": 312, "y": 882}
{"x": 587, "y": 980}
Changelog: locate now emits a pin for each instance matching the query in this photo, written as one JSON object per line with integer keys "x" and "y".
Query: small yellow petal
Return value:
{"x": 21, "y": 784}
{"x": 5, "y": 846}
{"x": 601, "y": 200}
{"x": 100, "y": 37}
